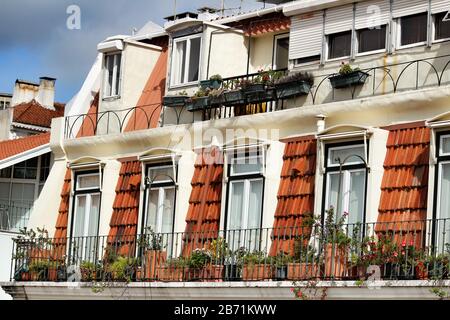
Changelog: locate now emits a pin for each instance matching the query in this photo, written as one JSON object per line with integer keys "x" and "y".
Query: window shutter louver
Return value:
{"x": 339, "y": 19}
{"x": 438, "y": 6}
{"x": 306, "y": 35}
{"x": 371, "y": 14}
{"x": 403, "y": 8}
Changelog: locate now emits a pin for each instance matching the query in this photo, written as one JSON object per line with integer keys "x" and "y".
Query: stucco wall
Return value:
{"x": 5, "y": 260}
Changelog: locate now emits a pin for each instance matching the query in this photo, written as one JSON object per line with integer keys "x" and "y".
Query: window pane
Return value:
{"x": 45, "y": 167}
{"x": 4, "y": 192}
{"x": 168, "y": 210}
{"x": 372, "y": 39}
{"x": 255, "y": 202}
{"x": 442, "y": 27}
{"x": 5, "y": 173}
{"x": 445, "y": 145}
{"x": 26, "y": 169}
{"x": 79, "y": 215}
{"x": 180, "y": 62}
{"x": 94, "y": 214}
{"x": 88, "y": 181}
{"x": 194, "y": 59}
{"x": 307, "y": 60}
{"x": 243, "y": 165}
{"x": 117, "y": 75}
{"x": 443, "y": 228}
{"x": 235, "y": 205}
{"x": 348, "y": 154}
{"x": 109, "y": 75}
{"x": 22, "y": 194}
{"x": 413, "y": 29}
{"x": 356, "y": 197}
{"x": 339, "y": 44}
{"x": 161, "y": 174}
{"x": 332, "y": 191}
{"x": 152, "y": 209}
{"x": 282, "y": 53}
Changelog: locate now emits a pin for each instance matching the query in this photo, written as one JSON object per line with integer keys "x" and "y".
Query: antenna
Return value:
{"x": 174, "y": 8}
{"x": 223, "y": 7}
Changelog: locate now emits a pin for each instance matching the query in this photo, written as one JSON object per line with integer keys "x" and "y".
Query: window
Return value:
{"x": 281, "y": 54}
{"x": 351, "y": 194}
{"x": 186, "y": 60}
{"x": 86, "y": 216}
{"x": 443, "y": 193}
{"x": 372, "y": 39}
{"x": 112, "y": 75}
{"x": 441, "y": 27}
{"x": 245, "y": 197}
{"x": 339, "y": 45}
{"x": 413, "y": 29}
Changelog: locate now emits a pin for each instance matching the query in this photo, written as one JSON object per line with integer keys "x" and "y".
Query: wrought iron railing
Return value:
{"x": 14, "y": 216}
{"x": 391, "y": 250}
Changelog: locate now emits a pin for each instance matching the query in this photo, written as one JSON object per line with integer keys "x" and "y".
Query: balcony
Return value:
{"x": 14, "y": 216}
{"x": 404, "y": 250}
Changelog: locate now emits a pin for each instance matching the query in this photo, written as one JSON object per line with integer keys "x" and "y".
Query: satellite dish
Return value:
{"x": 447, "y": 17}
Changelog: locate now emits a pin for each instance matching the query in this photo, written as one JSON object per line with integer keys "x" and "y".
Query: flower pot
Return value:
{"x": 234, "y": 97}
{"x": 292, "y": 89}
{"x": 87, "y": 275}
{"x": 207, "y": 273}
{"x": 153, "y": 259}
{"x": 175, "y": 101}
{"x": 350, "y": 79}
{"x": 232, "y": 273}
{"x": 52, "y": 274}
{"x": 255, "y": 272}
{"x": 421, "y": 271}
{"x": 25, "y": 276}
{"x": 197, "y": 104}
{"x": 302, "y": 271}
{"x": 281, "y": 273}
{"x": 217, "y": 100}
{"x": 357, "y": 272}
{"x": 211, "y": 84}
{"x": 335, "y": 261}
{"x": 258, "y": 93}
{"x": 169, "y": 273}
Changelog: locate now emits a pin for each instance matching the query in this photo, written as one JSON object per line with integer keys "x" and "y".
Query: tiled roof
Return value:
{"x": 89, "y": 125}
{"x": 268, "y": 25}
{"x": 9, "y": 148}
{"x": 405, "y": 181}
{"x": 203, "y": 216}
{"x": 33, "y": 113}
{"x": 295, "y": 194}
{"x": 63, "y": 217}
{"x": 124, "y": 219}
{"x": 149, "y": 105}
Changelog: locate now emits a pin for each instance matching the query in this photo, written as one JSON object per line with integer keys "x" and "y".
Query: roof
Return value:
{"x": 295, "y": 193}
{"x": 10, "y": 148}
{"x": 124, "y": 219}
{"x": 405, "y": 181}
{"x": 33, "y": 113}
{"x": 203, "y": 216}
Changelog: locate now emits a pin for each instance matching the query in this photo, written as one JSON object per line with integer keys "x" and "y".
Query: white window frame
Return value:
{"x": 278, "y": 37}
{"x": 88, "y": 175}
{"x": 398, "y": 31}
{"x": 174, "y": 65}
{"x": 171, "y": 167}
{"x": 87, "y": 212}
{"x": 327, "y": 47}
{"x": 441, "y": 140}
{"x": 353, "y": 146}
{"x": 160, "y": 207}
{"x": 117, "y": 76}
{"x": 433, "y": 30}
{"x": 361, "y": 54}
{"x": 239, "y": 158}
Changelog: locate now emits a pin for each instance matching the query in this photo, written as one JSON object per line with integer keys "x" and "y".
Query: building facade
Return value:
{"x": 320, "y": 153}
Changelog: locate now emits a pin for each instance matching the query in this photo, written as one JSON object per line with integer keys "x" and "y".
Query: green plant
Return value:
{"x": 282, "y": 259}
{"x": 346, "y": 68}
{"x": 255, "y": 257}
{"x": 183, "y": 93}
{"x": 155, "y": 240}
{"x": 216, "y": 77}
{"x": 303, "y": 253}
{"x": 334, "y": 231}
{"x": 200, "y": 93}
{"x": 123, "y": 268}
{"x": 176, "y": 262}
{"x": 219, "y": 250}
{"x": 296, "y": 77}
{"x": 39, "y": 266}
{"x": 199, "y": 258}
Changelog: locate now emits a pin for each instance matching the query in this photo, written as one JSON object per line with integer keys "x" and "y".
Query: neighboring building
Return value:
{"x": 5, "y": 100}
{"x": 241, "y": 173}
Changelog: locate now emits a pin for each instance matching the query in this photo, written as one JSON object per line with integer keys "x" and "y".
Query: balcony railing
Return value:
{"x": 380, "y": 80}
{"x": 14, "y": 216}
{"x": 395, "y": 250}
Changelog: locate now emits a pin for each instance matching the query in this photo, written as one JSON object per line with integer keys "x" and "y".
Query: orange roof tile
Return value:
{"x": 405, "y": 181}
{"x": 9, "y": 148}
{"x": 63, "y": 217}
{"x": 124, "y": 219}
{"x": 148, "y": 109}
{"x": 33, "y": 113}
{"x": 268, "y": 25}
{"x": 295, "y": 194}
{"x": 203, "y": 216}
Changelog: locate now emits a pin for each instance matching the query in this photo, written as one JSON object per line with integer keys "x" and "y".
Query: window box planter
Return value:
{"x": 234, "y": 97}
{"x": 175, "y": 101}
{"x": 212, "y": 84}
{"x": 170, "y": 273}
{"x": 335, "y": 260}
{"x": 217, "y": 100}
{"x": 302, "y": 271}
{"x": 153, "y": 259}
{"x": 349, "y": 79}
{"x": 257, "y": 93}
{"x": 255, "y": 272}
{"x": 292, "y": 89}
{"x": 199, "y": 103}
{"x": 421, "y": 271}
{"x": 208, "y": 273}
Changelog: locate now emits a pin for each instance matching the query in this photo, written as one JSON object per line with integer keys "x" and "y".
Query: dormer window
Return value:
{"x": 112, "y": 75}
{"x": 186, "y": 60}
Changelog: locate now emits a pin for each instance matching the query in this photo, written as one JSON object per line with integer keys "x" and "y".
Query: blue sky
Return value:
{"x": 35, "y": 42}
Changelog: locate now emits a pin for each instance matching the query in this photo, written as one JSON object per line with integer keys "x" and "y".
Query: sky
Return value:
{"x": 35, "y": 40}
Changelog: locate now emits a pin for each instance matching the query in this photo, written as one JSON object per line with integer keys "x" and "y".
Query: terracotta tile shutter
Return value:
{"x": 89, "y": 125}
{"x": 203, "y": 216}
{"x": 404, "y": 187}
{"x": 60, "y": 236}
{"x": 295, "y": 195}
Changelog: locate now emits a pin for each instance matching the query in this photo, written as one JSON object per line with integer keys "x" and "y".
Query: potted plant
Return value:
{"x": 88, "y": 271}
{"x": 233, "y": 95}
{"x": 154, "y": 254}
{"x": 219, "y": 253}
{"x": 123, "y": 269}
{"x": 348, "y": 76}
{"x": 199, "y": 101}
{"x": 233, "y": 264}
{"x": 172, "y": 270}
{"x": 293, "y": 85}
{"x": 281, "y": 265}
{"x": 257, "y": 267}
{"x": 198, "y": 263}
{"x": 217, "y": 97}
{"x": 305, "y": 263}
{"x": 214, "y": 82}
{"x": 178, "y": 100}
{"x": 260, "y": 89}
{"x": 39, "y": 270}
{"x": 438, "y": 266}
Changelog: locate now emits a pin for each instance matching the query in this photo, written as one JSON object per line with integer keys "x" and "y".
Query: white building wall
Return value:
{"x": 6, "y": 246}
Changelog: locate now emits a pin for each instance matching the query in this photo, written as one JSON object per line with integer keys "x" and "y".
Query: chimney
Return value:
{"x": 24, "y": 91}
{"x": 46, "y": 93}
